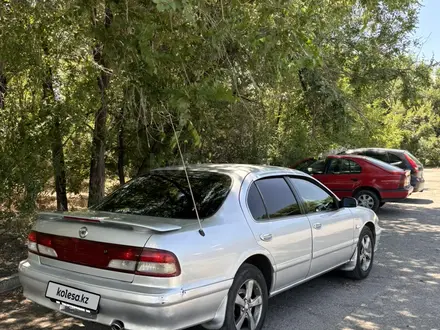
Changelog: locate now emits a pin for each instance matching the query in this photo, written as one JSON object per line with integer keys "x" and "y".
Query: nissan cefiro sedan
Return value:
{"x": 140, "y": 260}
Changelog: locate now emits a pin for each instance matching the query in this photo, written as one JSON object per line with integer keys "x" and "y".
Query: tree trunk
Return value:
{"x": 121, "y": 147}
{"x": 56, "y": 141}
{"x": 97, "y": 164}
{"x": 59, "y": 165}
{"x": 3, "y": 83}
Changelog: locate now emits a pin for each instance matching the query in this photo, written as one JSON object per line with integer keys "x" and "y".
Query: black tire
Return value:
{"x": 381, "y": 204}
{"x": 244, "y": 274}
{"x": 371, "y": 194}
{"x": 359, "y": 273}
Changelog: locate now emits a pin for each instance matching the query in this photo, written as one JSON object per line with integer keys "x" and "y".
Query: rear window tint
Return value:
{"x": 383, "y": 156}
{"x": 255, "y": 203}
{"x": 394, "y": 158}
{"x": 278, "y": 198}
{"x": 166, "y": 194}
{"x": 383, "y": 165}
{"x": 317, "y": 167}
{"x": 304, "y": 165}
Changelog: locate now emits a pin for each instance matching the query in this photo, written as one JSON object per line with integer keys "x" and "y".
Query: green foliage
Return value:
{"x": 242, "y": 81}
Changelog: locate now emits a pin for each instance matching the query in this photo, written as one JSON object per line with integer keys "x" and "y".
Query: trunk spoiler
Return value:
{"x": 134, "y": 222}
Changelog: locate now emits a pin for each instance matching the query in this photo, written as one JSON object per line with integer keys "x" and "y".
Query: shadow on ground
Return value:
{"x": 412, "y": 265}
{"x": 417, "y": 201}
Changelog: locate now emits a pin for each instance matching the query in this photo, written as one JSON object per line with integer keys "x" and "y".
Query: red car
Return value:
{"x": 371, "y": 181}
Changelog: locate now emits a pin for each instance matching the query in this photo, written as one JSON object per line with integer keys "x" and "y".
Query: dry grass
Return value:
{"x": 76, "y": 202}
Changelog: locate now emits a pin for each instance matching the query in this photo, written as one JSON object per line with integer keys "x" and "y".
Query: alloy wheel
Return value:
{"x": 366, "y": 201}
{"x": 366, "y": 253}
{"x": 248, "y": 306}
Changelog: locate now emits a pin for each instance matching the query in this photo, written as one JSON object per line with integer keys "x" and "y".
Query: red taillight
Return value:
{"x": 128, "y": 259}
{"x": 412, "y": 163}
{"x": 150, "y": 262}
{"x": 32, "y": 242}
{"x": 158, "y": 263}
{"x": 41, "y": 244}
{"x": 402, "y": 181}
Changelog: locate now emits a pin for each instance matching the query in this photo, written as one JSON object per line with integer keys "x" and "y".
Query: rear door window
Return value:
{"x": 255, "y": 204}
{"x": 355, "y": 168}
{"x": 278, "y": 198}
{"x": 166, "y": 194}
{"x": 344, "y": 166}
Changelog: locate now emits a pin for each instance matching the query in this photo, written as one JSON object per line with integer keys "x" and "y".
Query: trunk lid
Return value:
{"x": 85, "y": 242}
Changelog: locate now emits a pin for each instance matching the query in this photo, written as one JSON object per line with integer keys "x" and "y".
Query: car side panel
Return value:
{"x": 333, "y": 240}
{"x": 291, "y": 243}
{"x": 362, "y": 216}
{"x": 212, "y": 258}
{"x": 371, "y": 177}
{"x": 340, "y": 184}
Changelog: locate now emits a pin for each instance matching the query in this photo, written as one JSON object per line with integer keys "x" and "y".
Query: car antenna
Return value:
{"x": 201, "y": 232}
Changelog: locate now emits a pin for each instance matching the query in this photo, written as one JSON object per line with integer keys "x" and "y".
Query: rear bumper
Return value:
{"x": 418, "y": 183}
{"x": 132, "y": 304}
{"x": 396, "y": 195}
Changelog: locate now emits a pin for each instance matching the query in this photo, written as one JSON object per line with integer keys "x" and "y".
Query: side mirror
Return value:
{"x": 349, "y": 202}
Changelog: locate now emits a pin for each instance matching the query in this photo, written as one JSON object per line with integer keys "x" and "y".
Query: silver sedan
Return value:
{"x": 141, "y": 259}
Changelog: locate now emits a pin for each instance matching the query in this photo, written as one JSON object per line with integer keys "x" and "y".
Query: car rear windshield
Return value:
{"x": 317, "y": 167}
{"x": 166, "y": 194}
{"x": 383, "y": 165}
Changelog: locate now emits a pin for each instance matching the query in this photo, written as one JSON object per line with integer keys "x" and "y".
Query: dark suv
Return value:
{"x": 400, "y": 158}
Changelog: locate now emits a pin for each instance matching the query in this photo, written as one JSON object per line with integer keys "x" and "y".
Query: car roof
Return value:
{"x": 349, "y": 156}
{"x": 377, "y": 149}
{"x": 240, "y": 170}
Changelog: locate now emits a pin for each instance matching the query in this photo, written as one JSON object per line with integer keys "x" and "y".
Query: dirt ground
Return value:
{"x": 13, "y": 249}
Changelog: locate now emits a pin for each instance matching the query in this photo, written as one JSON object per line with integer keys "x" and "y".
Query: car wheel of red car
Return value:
{"x": 368, "y": 199}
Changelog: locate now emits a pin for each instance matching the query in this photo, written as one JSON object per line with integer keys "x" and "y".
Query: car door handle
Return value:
{"x": 317, "y": 225}
{"x": 354, "y": 179}
{"x": 266, "y": 237}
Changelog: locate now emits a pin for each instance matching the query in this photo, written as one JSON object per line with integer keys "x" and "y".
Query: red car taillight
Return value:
{"x": 32, "y": 242}
{"x": 150, "y": 262}
{"x": 128, "y": 259}
{"x": 158, "y": 263}
{"x": 41, "y": 244}
{"x": 404, "y": 181}
{"x": 412, "y": 163}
